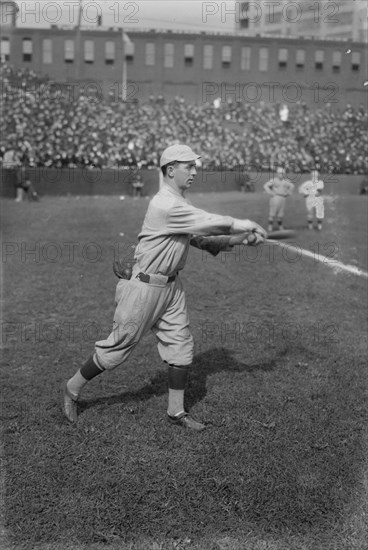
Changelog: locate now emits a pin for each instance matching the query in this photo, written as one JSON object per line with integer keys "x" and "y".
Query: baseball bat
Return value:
{"x": 279, "y": 235}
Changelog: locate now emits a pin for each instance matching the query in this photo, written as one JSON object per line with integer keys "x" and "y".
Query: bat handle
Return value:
{"x": 251, "y": 239}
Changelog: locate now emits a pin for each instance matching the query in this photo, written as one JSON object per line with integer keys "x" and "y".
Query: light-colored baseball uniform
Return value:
{"x": 312, "y": 190}
{"x": 10, "y": 159}
{"x": 159, "y": 305}
{"x": 279, "y": 189}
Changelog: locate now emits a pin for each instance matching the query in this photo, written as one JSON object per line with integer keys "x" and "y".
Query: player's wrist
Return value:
{"x": 239, "y": 226}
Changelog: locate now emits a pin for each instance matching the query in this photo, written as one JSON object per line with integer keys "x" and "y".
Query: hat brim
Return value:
{"x": 188, "y": 158}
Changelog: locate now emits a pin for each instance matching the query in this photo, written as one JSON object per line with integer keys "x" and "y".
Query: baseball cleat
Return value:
{"x": 186, "y": 421}
{"x": 69, "y": 405}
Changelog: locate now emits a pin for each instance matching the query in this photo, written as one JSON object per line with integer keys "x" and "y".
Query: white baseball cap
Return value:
{"x": 179, "y": 153}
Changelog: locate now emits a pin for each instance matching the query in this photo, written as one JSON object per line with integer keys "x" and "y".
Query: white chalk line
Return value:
{"x": 335, "y": 264}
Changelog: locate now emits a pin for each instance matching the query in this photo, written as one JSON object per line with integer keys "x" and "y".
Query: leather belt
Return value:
{"x": 155, "y": 278}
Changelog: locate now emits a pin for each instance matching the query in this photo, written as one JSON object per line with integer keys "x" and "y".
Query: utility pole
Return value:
{"x": 124, "y": 75}
{"x": 124, "y": 41}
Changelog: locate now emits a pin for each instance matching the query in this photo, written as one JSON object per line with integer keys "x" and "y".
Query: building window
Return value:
{"x": 169, "y": 56}
{"x": 263, "y": 59}
{"x": 245, "y": 58}
{"x": 342, "y": 18}
{"x": 4, "y": 50}
{"x": 300, "y": 59}
{"x": 188, "y": 54}
{"x": 129, "y": 52}
{"x": 355, "y": 61}
{"x": 244, "y": 21}
{"x": 208, "y": 56}
{"x": 319, "y": 59}
{"x": 276, "y": 18}
{"x": 109, "y": 52}
{"x": 27, "y": 49}
{"x": 69, "y": 51}
{"x": 226, "y": 56}
{"x": 47, "y": 51}
{"x": 336, "y": 62}
{"x": 283, "y": 58}
{"x": 89, "y": 51}
{"x": 150, "y": 54}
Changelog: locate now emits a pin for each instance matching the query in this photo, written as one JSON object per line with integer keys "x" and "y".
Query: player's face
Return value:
{"x": 184, "y": 173}
{"x": 280, "y": 172}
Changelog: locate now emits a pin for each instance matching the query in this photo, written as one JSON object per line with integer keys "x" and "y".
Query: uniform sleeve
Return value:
{"x": 268, "y": 187}
{"x": 186, "y": 219}
{"x": 213, "y": 245}
{"x": 303, "y": 188}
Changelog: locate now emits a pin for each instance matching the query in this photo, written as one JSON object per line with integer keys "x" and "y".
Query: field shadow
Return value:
{"x": 204, "y": 364}
{"x": 297, "y": 474}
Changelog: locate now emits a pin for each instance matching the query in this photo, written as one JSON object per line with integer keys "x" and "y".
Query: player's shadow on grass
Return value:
{"x": 205, "y": 364}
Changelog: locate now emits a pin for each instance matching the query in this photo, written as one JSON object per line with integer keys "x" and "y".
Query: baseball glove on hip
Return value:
{"x": 123, "y": 268}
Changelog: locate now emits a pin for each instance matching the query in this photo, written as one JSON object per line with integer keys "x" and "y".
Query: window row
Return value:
{"x": 299, "y": 58}
{"x": 88, "y": 51}
{"x": 69, "y": 51}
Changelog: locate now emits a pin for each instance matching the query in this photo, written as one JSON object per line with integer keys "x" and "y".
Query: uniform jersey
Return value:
{"x": 168, "y": 227}
{"x": 311, "y": 188}
{"x": 277, "y": 186}
{"x": 10, "y": 159}
{"x": 167, "y": 232}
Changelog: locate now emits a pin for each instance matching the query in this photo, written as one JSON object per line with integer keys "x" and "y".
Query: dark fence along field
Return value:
{"x": 78, "y": 181}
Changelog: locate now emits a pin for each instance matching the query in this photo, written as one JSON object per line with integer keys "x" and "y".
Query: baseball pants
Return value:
{"x": 317, "y": 204}
{"x": 277, "y": 206}
{"x": 141, "y": 307}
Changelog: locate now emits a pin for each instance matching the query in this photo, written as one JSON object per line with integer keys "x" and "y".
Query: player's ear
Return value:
{"x": 170, "y": 170}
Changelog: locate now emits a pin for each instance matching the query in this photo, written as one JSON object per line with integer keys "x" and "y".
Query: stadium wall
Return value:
{"x": 198, "y": 78}
{"x": 78, "y": 181}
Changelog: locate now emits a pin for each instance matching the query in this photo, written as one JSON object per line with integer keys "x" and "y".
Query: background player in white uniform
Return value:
{"x": 280, "y": 188}
{"x": 312, "y": 191}
{"x": 154, "y": 299}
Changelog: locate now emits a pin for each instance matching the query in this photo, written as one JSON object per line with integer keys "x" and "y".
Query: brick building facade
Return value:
{"x": 197, "y": 66}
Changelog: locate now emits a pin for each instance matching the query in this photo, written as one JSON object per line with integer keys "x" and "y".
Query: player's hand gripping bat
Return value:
{"x": 279, "y": 235}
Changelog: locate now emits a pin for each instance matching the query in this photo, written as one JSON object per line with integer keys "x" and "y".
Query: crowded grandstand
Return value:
{"x": 79, "y": 130}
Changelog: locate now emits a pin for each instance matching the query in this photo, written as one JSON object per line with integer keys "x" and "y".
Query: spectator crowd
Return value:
{"x": 47, "y": 125}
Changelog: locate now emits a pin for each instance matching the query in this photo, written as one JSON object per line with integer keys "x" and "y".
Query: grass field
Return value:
{"x": 279, "y": 375}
